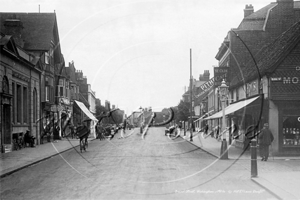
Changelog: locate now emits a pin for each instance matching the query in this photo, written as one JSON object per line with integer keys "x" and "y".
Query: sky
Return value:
{"x": 136, "y": 53}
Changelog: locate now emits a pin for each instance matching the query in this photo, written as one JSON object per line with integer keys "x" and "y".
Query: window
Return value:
{"x": 237, "y": 94}
{"x": 51, "y": 56}
{"x": 25, "y": 106}
{"x": 34, "y": 103}
{"x": 61, "y": 91}
{"x": 47, "y": 58}
{"x": 47, "y": 93}
{"x": 51, "y": 94}
{"x": 13, "y": 103}
{"x": 61, "y": 82}
{"x": 248, "y": 89}
{"x": 19, "y": 103}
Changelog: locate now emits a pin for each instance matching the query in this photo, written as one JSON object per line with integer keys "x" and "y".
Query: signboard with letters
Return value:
{"x": 220, "y": 73}
{"x": 205, "y": 87}
{"x": 285, "y": 83}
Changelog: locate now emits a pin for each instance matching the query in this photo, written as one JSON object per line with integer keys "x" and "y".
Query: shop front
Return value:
{"x": 244, "y": 121}
{"x": 285, "y": 108}
{"x": 242, "y": 116}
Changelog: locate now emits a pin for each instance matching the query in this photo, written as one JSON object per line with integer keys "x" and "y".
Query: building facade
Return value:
{"x": 20, "y": 93}
{"x": 263, "y": 57}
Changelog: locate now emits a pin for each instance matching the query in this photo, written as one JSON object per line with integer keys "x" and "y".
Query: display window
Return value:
{"x": 291, "y": 131}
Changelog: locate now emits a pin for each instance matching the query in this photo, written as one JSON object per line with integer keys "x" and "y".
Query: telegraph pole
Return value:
{"x": 191, "y": 97}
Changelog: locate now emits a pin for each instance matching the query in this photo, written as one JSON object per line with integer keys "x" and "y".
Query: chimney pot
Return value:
{"x": 249, "y": 9}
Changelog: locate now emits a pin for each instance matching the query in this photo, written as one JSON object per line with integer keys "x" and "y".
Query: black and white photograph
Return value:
{"x": 149, "y": 99}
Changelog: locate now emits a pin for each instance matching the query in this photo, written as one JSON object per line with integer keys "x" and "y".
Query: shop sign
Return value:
{"x": 205, "y": 87}
{"x": 220, "y": 73}
{"x": 288, "y": 78}
{"x": 64, "y": 100}
{"x": 56, "y": 108}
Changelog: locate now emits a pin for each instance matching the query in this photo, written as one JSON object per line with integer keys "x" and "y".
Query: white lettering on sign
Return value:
{"x": 276, "y": 78}
{"x": 295, "y": 80}
{"x": 207, "y": 84}
{"x": 286, "y": 80}
{"x": 289, "y": 80}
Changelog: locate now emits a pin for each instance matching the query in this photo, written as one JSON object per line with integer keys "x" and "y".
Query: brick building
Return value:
{"x": 263, "y": 57}
{"x": 19, "y": 92}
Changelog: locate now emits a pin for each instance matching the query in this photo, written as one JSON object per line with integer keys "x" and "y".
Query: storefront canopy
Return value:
{"x": 232, "y": 108}
{"x": 85, "y": 110}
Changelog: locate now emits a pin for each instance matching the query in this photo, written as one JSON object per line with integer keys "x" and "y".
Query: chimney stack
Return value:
{"x": 248, "y": 10}
{"x": 14, "y": 27}
{"x": 205, "y": 76}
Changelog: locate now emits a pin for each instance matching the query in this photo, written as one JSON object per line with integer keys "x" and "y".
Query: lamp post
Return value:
{"x": 142, "y": 122}
{"x": 223, "y": 89}
{"x": 191, "y": 98}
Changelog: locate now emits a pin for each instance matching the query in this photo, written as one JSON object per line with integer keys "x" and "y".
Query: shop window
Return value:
{"x": 291, "y": 128}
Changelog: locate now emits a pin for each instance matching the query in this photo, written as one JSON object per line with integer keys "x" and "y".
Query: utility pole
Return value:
{"x": 191, "y": 98}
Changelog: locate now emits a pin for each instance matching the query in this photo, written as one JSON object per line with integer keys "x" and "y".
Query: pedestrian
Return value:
{"x": 29, "y": 139}
{"x": 56, "y": 131}
{"x": 123, "y": 129}
{"x": 265, "y": 138}
{"x": 48, "y": 132}
{"x": 206, "y": 129}
{"x": 234, "y": 131}
{"x": 192, "y": 129}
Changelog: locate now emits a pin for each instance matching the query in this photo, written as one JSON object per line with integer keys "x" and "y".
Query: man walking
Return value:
{"x": 265, "y": 138}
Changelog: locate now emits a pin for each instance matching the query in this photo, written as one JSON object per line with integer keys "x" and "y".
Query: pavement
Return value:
{"x": 279, "y": 175}
{"x": 16, "y": 160}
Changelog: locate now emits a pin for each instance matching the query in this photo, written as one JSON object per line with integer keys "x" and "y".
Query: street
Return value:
{"x": 155, "y": 167}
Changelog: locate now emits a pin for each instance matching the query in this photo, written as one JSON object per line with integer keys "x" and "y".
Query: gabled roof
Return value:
{"x": 258, "y": 19}
{"x": 271, "y": 56}
{"x": 39, "y": 29}
{"x": 7, "y": 44}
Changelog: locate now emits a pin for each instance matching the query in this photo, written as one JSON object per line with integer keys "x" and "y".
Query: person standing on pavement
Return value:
{"x": 206, "y": 129}
{"x": 192, "y": 129}
{"x": 265, "y": 138}
{"x": 123, "y": 128}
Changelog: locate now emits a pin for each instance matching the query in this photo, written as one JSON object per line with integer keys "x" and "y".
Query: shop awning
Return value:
{"x": 85, "y": 110}
{"x": 232, "y": 108}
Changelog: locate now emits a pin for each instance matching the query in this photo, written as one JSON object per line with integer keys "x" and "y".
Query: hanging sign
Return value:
{"x": 220, "y": 73}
